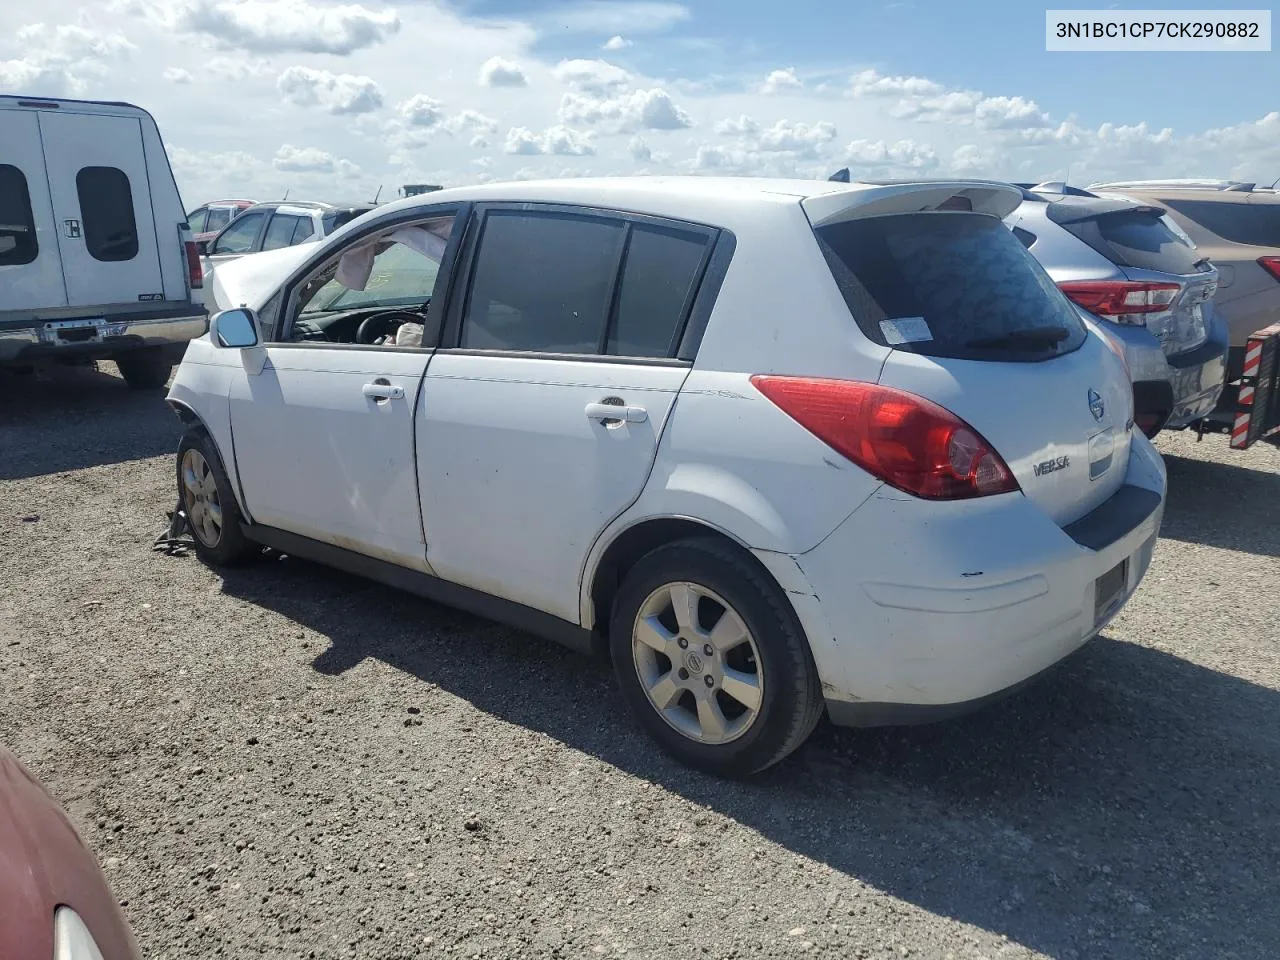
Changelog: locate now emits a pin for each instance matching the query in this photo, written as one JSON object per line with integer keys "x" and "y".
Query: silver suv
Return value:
{"x": 1129, "y": 265}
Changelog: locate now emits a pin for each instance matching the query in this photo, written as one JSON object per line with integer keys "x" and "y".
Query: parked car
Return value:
{"x": 205, "y": 222}
{"x": 783, "y": 446}
{"x": 1126, "y": 263}
{"x": 273, "y": 226}
{"x": 96, "y": 259}
{"x": 57, "y": 903}
{"x": 1237, "y": 225}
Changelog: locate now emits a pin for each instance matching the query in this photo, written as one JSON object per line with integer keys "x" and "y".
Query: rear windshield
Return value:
{"x": 949, "y": 285}
{"x": 1138, "y": 239}
{"x": 1255, "y": 224}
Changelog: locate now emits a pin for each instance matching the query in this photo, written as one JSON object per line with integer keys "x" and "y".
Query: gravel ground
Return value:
{"x": 291, "y": 763}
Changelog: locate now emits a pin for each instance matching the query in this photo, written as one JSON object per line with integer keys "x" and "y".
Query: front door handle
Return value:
{"x": 616, "y": 412}
{"x": 382, "y": 390}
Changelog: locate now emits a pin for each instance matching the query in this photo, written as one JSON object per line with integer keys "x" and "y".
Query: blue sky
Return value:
{"x": 999, "y": 50}
{"x": 339, "y": 97}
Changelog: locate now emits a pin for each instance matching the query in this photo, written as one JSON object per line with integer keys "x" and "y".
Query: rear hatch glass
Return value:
{"x": 1256, "y": 223}
{"x": 1133, "y": 237}
{"x": 951, "y": 284}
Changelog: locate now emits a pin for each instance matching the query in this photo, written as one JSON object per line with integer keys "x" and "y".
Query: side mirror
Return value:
{"x": 234, "y": 329}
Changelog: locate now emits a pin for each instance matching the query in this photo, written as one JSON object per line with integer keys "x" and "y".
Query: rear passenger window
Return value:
{"x": 949, "y": 285}
{"x": 239, "y": 237}
{"x": 305, "y": 230}
{"x": 219, "y": 217}
{"x": 17, "y": 224}
{"x": 659, "y": 279}
{"x": 1255, "y": 224}
{"x": 542, "y": 283}
{"x": 280, "y": 231}
{"x": 106, "y": 209}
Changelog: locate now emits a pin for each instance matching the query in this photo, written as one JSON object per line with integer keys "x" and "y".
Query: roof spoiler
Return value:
{"x": 990, "y": 197}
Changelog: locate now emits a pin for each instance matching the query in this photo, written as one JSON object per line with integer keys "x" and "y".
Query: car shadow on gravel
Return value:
{"x": 1125, "y": 806}
{"x": 96, "y": 418}
{"x": 1222, "y": 505}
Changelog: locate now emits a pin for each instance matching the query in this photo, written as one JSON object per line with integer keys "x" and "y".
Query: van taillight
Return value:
{"x": 194, "y": 270}
{"x": 905, "y": 440}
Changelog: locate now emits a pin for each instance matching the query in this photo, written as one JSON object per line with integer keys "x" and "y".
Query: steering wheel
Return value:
{"x": 377, "y": 326}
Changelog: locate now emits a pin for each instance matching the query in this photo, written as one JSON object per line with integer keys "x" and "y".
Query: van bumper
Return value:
{"x": 96, "y": 338}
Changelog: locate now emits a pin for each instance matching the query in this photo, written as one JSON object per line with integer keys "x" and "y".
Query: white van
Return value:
{"x": 96, "y": 258}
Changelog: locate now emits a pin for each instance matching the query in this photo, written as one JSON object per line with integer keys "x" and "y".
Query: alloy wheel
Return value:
{"x": 698, "y": 663}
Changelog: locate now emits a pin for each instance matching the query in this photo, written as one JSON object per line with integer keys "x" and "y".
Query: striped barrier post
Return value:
{"x": 1259, "y": 372}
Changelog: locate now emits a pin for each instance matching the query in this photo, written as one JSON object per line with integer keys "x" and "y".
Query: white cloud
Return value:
{"x": 882, "y": 156}
{"x": 421, "y": 111}
{"x": 781, "y": 80}
{"x": 63, "y": 60}
{"x": 615, "y": 16}
{"x": 872, "y": 83}
{"x": 597, "y": 77}
{"x": 469, "y": 120}
{"x": 559, "y": 141}
{"x": 638, "y": 110}
{"x": 616, "y": 43}
{"x": 639, "y": 150}
{"x": 290, "y": 159}
{"x": 341, "y": 93}
{"x": 234, "y": 68}
{"x": 497, "y": 72}
{"x": 480, "y": 142}
{"x": 969, "y": 159}
{"x": 741, "y": 127}
{"x": 277, "y": 26}
{"x": 801, "y": 138}
{"x": 177, "y": 75}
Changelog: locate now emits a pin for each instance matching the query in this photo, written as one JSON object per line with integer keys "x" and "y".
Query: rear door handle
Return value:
{"x": 382, "y": 390}
{"x": 610, "y": 411}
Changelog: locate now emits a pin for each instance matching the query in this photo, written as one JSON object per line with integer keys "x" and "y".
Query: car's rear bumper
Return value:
{"x": 98, "y": 337}
{"x": 918, "y": 610}
{"x": 1178, "y": 390}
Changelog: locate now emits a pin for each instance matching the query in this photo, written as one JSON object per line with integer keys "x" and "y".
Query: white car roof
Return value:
{"x": 723, "y": 200}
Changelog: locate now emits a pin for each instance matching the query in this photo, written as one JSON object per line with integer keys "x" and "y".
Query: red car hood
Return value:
{"x": 43, "y": 865}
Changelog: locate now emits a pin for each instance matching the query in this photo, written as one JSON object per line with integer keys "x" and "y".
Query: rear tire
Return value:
{"x": 145, "y": 369}
{"x": 213, "y": 515}
{"x": 712, "y": 660}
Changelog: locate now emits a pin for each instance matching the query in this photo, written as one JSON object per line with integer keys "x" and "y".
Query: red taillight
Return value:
{"x": 194, "y": 270}
{"x": 904, "y": 440}
{"x": 1271, "y": 265}
{"x": 1120, "y": 299}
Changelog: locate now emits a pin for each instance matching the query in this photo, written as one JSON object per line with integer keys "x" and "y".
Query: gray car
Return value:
{"x": 1130, "y": 266}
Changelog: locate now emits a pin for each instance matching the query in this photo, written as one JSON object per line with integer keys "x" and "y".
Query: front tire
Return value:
{"x": 145, "y": 369}
{"x": 712, "y": 660}
{"x": 213, "y": 515}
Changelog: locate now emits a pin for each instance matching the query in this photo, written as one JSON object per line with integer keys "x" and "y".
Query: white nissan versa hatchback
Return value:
{"x": 782, "y": 446}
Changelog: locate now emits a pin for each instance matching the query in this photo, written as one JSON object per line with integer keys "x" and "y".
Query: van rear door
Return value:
{"x": 102, "y": 204}
{"x": 30, "y": 267}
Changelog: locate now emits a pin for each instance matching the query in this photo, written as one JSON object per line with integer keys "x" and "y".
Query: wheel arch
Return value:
{"x": 190, "y": 419}
{"x": 627, "y": 545}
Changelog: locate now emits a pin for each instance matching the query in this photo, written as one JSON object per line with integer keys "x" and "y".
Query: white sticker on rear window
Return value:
{"x": 906, "y": 330}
